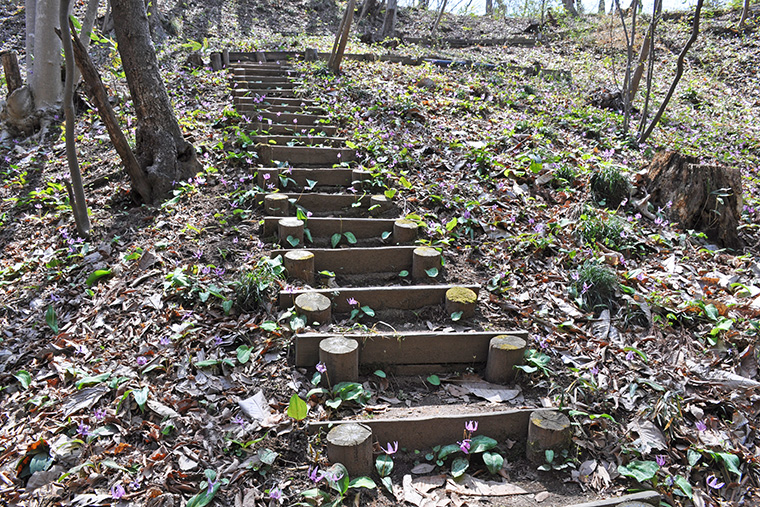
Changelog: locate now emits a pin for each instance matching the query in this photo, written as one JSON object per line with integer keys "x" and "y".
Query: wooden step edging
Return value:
{"x": 407, "y": 348}
{"x": 304, "y": 155}
{"x": 355, "y": 261}
{"x": 411, "y": 297}
{"x": 275, "y": 101}
{"x": 650, "y": 497}
{"x": 441, "y": 428}
{"x": 324, "y": 176}
{"x": 278, "y": 129}
{"x": 281, "y": 140}
{"x": 362, "y": 228}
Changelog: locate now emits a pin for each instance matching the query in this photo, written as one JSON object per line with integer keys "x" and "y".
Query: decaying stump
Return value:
{"x": 706, "y": 198}
{"x": 548, "y": 430}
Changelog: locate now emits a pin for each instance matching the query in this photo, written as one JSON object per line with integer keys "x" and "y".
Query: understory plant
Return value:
{"x": 255, "y": 287}
{"x": 464, "y": 451}
{"x": 594, "y": 286}
{"x": 342, "y": 392}
{"x": 337, "y": 484}
{"x": 609, "y": 187}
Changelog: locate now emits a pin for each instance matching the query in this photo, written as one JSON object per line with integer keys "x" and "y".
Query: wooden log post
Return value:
{"x": 351, "y": 445}
{"x": 216, "y": 61}
{"x": 316, "y": 307}
{"x": 547, "y": 430}
{"x": 311, "y": 55}
{"x": 424, "y": 259}
{"x": 277, "y": 205}
{"x": 291, "y": 232}
{"x": 404, "y": 231}
{"x": 461, "y": 299}
{"x": 359, "y": 180}
{"x": 341, "y": 358}
{"x": 226, "y": 58}
{"x": 11, "y": 70}
{"x": 379, "y": 204}
{"x": 299, "y": 265}
{"x": 504, "y": 353}
{"x": 261, "y": 57}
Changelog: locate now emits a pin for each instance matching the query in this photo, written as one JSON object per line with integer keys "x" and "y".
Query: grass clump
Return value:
{"x": 594, "y": 286}
{"x": 609, "y": 187}
{"x": 259, "y": 286}
{"x": 599, "y": 226}
{"x": 564, "y": 176}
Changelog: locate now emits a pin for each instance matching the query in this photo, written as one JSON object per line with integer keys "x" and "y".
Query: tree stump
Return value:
{"x": 706, "y": 198}
{"x": 404, "y": 231}
{"x": 341, "y": 357}
{"x": 311, "y": 55}
{"x": 290, "y": 231}
{"x": 11, "y": 70}
{"x": 316, "y": 307}
{"x": 461, "y": 299}
{"x": 351, "y": 445}
{"x": 379, "y": 204}
{"x": 504, "y": 353}
{"x": 547, "y": 430}
{"x": 299, "y": 265}
{"x": 361, "y": 180}
{"x": 277, "y": 205}
{"x": 216, "y": 62}
{"x": 425, "y": 258}
{"x": 226, "y": 58}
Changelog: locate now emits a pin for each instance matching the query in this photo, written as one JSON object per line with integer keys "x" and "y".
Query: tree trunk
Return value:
{"x": 602, "y": 7}
{"x": 745, "y": 12}
{"x": 489, "y": 7}
{"x": 86, "y": 33}
{"x": 570, "y": 7}
{"x": 161, "y": 150}
{"x": 78, "y": 200}
{"x": 389, "y": 25}
{"x": 46, "y": 72}
{"x": 31, "y": 14}
{"x": 437, "y": 19}
{"x": 11, "y": 70}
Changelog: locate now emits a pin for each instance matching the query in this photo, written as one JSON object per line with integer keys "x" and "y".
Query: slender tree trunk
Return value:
{"x": 46, "y": 73}
{"x": 79, "y": 202}
{"x": 31, "y": 15}
{"x": 389, "y": 24}
{"x": 348, "y": 18}
{"x": 643, "y": 54}
{"x": 438, "y": 19}
{"x": 570, "y": 7}
{"x": 160, "y": 148}
{"x": 89, "y": 21}
{"x": 602, "y": 7}
{"x": 745, "y": 12}
{"x": 489, "y": 7}
{"x": 679, "y": 72}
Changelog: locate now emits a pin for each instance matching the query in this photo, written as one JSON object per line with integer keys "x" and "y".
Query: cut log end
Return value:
{"x": 404, "y": 231}
{"x": 341, "y": 358}
{"x": 317, "y": 308}
{"x": 379, "y": 204}
{"x": 299, "y": 264}
{"x": 277, "y": 205}
{"x": 461, "y": 299}
{"x": 504, "y": 353}
{"x": 291, "y": 232}
{"x": 351, "y": 445}
{"x": 547, "y": 430}
{"x": 424, "y": 260}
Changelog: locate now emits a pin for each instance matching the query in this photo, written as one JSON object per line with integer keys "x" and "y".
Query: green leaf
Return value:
{"x": 227, "y": 306}
{"x": 297, "y": 408}
{"x": 481, "y": 443}
{"x": 403, "y": 273}
{"x": 712, "y": 312}
{"x": 434, "y": 380}
{"x": 455, "y": 316}
{"x": 207, "y": 363}
{"x": 141, "y": 397}
{"x": 24, "y": 378}
{"x": 390, "y": 193}
{"x": 51, "y": 319}
{"x": 368, "y": 311}
{"x": 731, "y": 461}
{"x": 459, "y": 466}
{"x": 341, "y": 484}
{"x": 93, "y": 380}
{"x": 362, "y": 482}
{"x": 205, "y": 496}
{"x": 310, "y": 184}
{"x": 384, "y": 465}
{"x": 639, "y": 470}
{"x": 549, "y": 455}
{"x": 451, "y": 224}
{"x": 637, "y": 352}
{"x": 448, "y": 450}
{"x": 350, "y": 237}
{"x": 388, "y": 485}
{"x": 329, "y": 274}
{"x": 335, "y": 239}
{"x": 267, "y": 456}
{"x": 292, "y": 241}
{"x": 432, "y": 272}
{"x": 269, "y": 326}
{"x": 97, "y": 275}
{"x": 380, "y": 373}
{"x": 683, "y": 485}
{"x": 493, "y": 461}
{"x": 386, "y": 234}
{"x": 334, "y": 403}
{"x": 405, "y": 182}
{"x": 693, "y": 457}
{"x": 244, "y": 354}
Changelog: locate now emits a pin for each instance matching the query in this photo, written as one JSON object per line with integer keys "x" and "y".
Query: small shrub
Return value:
{"x": 609, "y": 187}
{"x": 594, "y": 287}
{"x": 258, "y": 286}
{"x": 564, "y": 176}
{"x": 596, "y": 225}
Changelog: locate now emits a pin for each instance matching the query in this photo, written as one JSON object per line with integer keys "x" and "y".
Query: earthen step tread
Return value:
{"x": 412, "y": 297}
{"x": 284, "y": 129}
{"x": 283, "y": 140}
{"x": 359, "y": 260}
{"x": 362, "y": 228}
{"x": 324, "y": 204}
{"x": 304, "y": 155}
{"x": 407, "y": 347}
{"x": 274, "y": 101}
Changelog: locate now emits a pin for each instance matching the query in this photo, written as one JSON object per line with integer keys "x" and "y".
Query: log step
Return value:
{"x": 269, "y": 57}
{"x": 286, "y": 118}
{"x": 281, "y": 129}
{"x": 307, "y": 140}
{"x": 412, "y": 297}
{"x": 407, "y": 347}
{"x": 356, "y": 261}
{"x": 324, "y": 176}
{"x": 245, "y": 92}
{"x": 242, "y": 80}
{"x": 440, "y": 426}
{"x": 320, "y": 204}
{"x": 304, "y": 155}
{"x": 311, "y": 110}
{"x": 362, "y": 228}
{"x": 280, "y": 84}
{"x": 239, "y": 72}
{"x": 274, "y": 101}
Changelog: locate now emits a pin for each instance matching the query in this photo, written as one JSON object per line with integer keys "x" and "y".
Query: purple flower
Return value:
{"x": 471, "y": 426}
{"x": 83, "y": 430}
{"x": 701, "y": 426}
{"x": 99, "y": 414}
{"x": 392, "y": 449}
{"x": 712, "y": 481}
{"x": 321, "y": 368}
{"x": 211, "y": 485}
{"x": 165, "y": 340}
{"x": 239, "y": 420}
{"x": 595, "y": 370}
{"x": 219, "y": 272}
{"x": 669, "y": 204}
{"x": 334, "y": 477}
{"x": 630, "y": 355}
{"x": 266, "y": 176}
{"x": 661, "y": 459}
{"x": 199, "y": 254}
{"x": 141, "y": 361}
{"x": 134, "y": 485}
{"x": 586, "y": 287}
{"x": 117, "y": 491}
{"x": 465, "y": 445}
{"x": 315, "y": 475}
{"x": 575, "y": 276}
{"x": 352, "y": 301}
{"x": 275, "y": 494}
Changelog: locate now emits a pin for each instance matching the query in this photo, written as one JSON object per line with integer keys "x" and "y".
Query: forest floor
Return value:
{"x": 127, "y": 356}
